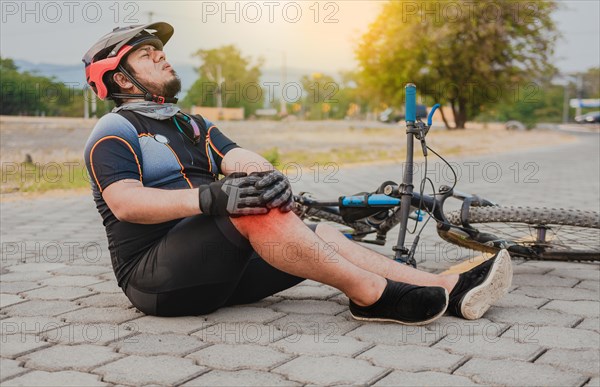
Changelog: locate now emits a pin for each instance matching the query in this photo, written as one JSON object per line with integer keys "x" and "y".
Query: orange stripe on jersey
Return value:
{"x": 211, "y": 143}
{"x": 181, "y": 165}
{"x": 108, "y": 138}
{"x": 210, "y": 166}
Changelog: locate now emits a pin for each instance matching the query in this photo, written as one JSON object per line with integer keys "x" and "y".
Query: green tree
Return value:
{"x": 326, "y": 98}
{"x": 467, "y": 54}
{"x": 25, "y": 93}
{"x": 321, "y": 92}
{"x": 545, "y": 106}
{"x": 234, "y": 74}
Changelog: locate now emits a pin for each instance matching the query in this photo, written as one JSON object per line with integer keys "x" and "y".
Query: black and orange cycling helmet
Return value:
{"x": 106, "y": 55}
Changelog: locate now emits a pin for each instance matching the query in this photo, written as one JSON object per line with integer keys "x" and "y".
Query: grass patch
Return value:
{"x": 272, "y": 155}
{"x": 348, "y": 155}
{"x": 42, "y": 177}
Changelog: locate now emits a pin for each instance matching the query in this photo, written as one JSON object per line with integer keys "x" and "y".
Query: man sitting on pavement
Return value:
{"x": 183, "y": 242}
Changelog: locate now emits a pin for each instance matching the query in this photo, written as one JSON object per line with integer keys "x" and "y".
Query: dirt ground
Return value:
{"x": 48, "y": 139}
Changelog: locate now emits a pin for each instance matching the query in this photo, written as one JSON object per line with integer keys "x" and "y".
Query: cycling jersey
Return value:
{"x": 158, "y": 153}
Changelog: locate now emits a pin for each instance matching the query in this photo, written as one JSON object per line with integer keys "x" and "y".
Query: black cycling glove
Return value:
{"x": 276, "y": 190}
{"x": 233, "y": 195}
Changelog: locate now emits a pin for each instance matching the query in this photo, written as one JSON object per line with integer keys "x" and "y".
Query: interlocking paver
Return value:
{"x": 531, "y": 316}
{"x": 10, "y": 299}
{"x": 300, "y": 292}
{"x": 68, "y": 293}
{"x": 153, "y": 324}
{"x": 451, "y": 328}
{"x": 339, "y": 370}
{"x": 241, "y": 333}
{"x": 412, "y": 358}
{"x": 594, "y": 382}
{"x": 581, "y": 308}
{"x": 80, "y": 357}
{"x": 10, "y": 368}
{"x": 590, "y": 323}
{"x": 424, "y": 379}
{"x": 47, "y": 308}
{"x": 157, "y": 370}
{"x": 29, "y": 325}
{"x": 18, "y": 287}
{"x": 100, "y": 334}
{"x": 589, "y": 273}
{"x": 309, "y": 307}
{"x": 395, "y": 334}
{"x": 570, "y": 294}
{"x": 13, "y": 346}
{"x": 511, "y": 300}
{"x": 542, "y": 280}
{"x": 298, "y": 323}
{"x": 529, "y": 269}
{"x": 234, "y": 357}
{"x": 147, "y": 344}
{"x": 267, "y": 301}
{"x": 62, "y": 378}
{"x": 239, "y": 378}
{"x": 26, "y": 276}
{"x": 93, "y": 314}
{"x": 554, "y": 337}
{"x": 106, "y": 287}
{"x": 104, "y": 300}
{"x": 321, "y": 345}
{"x": 71, "y": 280}
{"x": 317, "y": 324}
{"x": 490, "y": 347}
{"x": 86, "y": 270}
{"x": 592, "y": 285}
{"x": 586, "y": 362}
{"x": 35, "y": 267}
{"x": 341, "y": 299}
{"x": 516, "y": 373}
{"x": 244, "y": 314}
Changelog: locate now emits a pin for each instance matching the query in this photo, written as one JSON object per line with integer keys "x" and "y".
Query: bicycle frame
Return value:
{"x": 402, "y": 197}
{"x": 391, "y": 205}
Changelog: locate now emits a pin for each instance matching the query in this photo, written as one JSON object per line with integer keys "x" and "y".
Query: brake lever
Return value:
{"x": 423, "y": 129}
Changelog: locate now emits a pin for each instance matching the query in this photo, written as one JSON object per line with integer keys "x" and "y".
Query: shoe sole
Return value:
{"x": 406, "y": 322}
{"x": 478, "y": 300}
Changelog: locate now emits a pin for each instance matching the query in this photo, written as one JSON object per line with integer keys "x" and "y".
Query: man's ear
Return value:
{"x": 121, "y": 80}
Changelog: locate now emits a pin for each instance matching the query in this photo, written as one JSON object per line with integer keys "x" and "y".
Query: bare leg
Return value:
{"x": 285, "y": 242}
{"x": 376, "y": 263}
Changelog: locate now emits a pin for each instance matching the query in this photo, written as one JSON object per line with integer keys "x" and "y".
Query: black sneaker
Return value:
{"x": 478, "y": 288}
{"x": 405, "y": 304}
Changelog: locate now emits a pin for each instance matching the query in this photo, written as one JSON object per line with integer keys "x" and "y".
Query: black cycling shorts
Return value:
{"x": 200, "y": 265}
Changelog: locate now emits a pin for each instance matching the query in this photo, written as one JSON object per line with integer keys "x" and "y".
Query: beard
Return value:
{"x": 168, "y": 89}
{"x": 172, "y": 87}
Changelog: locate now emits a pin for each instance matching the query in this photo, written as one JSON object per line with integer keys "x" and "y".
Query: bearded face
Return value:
{"x": 150, "y": 67}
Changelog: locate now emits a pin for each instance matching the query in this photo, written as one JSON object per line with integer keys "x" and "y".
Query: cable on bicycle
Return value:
{"x": 448, "y": 164}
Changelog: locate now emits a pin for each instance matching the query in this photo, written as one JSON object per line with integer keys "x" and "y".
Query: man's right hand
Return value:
{"x": 234, "y": 195}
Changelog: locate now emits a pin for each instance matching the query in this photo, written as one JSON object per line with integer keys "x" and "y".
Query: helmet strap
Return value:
{"x": 147, "y": 96}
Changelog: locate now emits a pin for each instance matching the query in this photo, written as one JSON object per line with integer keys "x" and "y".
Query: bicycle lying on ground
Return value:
{"x": 480, "y": 224}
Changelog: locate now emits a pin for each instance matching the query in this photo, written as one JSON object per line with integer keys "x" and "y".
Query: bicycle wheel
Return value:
{"x": 535, "y": 233}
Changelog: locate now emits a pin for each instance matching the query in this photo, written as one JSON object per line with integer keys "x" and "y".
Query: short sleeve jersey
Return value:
{"x": 160, "y": 154}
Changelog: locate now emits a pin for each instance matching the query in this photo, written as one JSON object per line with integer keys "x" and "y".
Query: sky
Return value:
{"x": 317, "y": 36}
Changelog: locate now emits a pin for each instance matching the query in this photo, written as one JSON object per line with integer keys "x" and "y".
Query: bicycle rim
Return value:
{"x": 547, "y": 234}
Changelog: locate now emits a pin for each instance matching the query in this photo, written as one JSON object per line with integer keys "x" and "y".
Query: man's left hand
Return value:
{"x": 277, "y": 191}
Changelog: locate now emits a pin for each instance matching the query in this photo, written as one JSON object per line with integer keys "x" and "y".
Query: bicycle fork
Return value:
{"x": 401, "y": 253}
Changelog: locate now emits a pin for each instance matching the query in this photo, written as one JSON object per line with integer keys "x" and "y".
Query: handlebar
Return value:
{"x": 431, "y": 113}
{"x": 411, "y": 105}
{"x": 411, "y": 102}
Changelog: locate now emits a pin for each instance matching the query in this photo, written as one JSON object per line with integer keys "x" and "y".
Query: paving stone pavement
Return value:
{"x": 64, "y": 321}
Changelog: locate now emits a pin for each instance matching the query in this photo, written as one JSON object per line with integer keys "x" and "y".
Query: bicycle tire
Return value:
{"x": 574, "y": 234}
